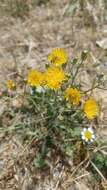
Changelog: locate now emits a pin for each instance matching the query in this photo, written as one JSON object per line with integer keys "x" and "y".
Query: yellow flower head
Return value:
{"x": 10, "y": 84}
{"x": 35, "y": 78}
{"x": 91, "y": 108}
{"x": 73, "y": 95}
{"x": 58, "y": 57}
{"x": 54, "y": 77}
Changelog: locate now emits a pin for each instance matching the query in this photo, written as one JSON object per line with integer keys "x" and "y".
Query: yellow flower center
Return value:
{"x": 88, "y": 135}
{"x": 55, "y": 59}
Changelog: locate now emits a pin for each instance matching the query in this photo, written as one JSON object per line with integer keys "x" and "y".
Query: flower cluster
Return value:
{"x": 54, "y": 78}
{"x": 54, "y": 107}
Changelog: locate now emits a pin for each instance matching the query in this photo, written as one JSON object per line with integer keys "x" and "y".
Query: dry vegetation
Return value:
{"x": 28, "y": 32}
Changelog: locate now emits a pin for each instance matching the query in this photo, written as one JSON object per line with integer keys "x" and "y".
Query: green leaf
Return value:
{"x": 76, "y": 132}
{"x": 99, "y": 158}
{"x": 39, "y": 162}
{"x": 106, "y": 162}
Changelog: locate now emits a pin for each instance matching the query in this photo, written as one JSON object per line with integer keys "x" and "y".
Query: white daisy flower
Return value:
{"x": 40, "y": 89}
{"x": 88, "y": 134}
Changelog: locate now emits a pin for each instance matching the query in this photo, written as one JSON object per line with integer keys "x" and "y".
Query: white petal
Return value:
{"x": 82, "y": 133}
{"x": 40, "y": 89}
{"x": 90, "y": 130}
{"x": 84, "y": 129}
{"x": 83, "y": 137}
{"x": 92, "y": 140}
{"x": 93, "y": 136}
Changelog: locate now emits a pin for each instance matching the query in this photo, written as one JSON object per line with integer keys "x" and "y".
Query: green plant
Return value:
{"x": 100, "y": 160}
{"x": 54, "y": 110}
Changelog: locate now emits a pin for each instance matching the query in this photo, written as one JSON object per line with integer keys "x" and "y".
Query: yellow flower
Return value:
{"x": 35, "y": 78}
{"x": 91, "y": 108}
{"x": 10, "y": 84}
{"x": 54, "y": 77}
{"x": 58, "y": 57}
{"x": 73, "y": 95}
